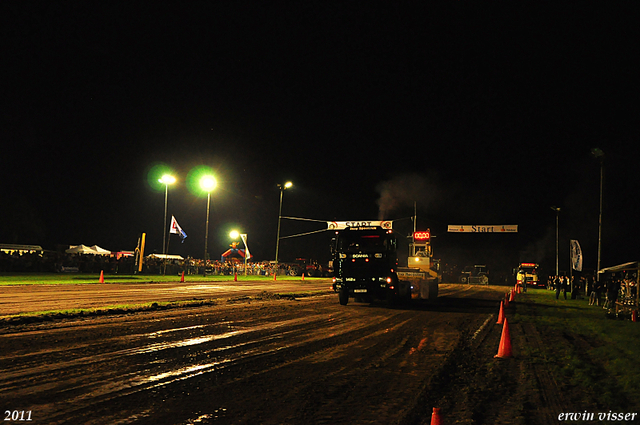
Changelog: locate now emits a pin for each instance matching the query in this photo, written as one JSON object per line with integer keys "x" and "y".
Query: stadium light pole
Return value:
{"x": 282, "y": 187}
{"x": 557, "y": 210}
{"x": 207, "y": 183}
{"x": 598, "y": 154}
{"x": 167, "y": 179}
{"x": 234, "y": 235}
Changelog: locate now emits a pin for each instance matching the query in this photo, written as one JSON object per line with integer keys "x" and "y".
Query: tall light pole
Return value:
{"x": 207, "y": 183}
{"x": 167, "y": 179}
{"x": 596, "y": 152}
{"x": 557, "y": 210}
{"x": 287, "y": 185}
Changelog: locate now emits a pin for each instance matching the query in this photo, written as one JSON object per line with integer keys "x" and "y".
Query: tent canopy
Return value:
{"x": 100, "y": 250}
{"x": 633, "y": 265}
{"x": 167, "y": 256}
{"x": 83, "y": 249}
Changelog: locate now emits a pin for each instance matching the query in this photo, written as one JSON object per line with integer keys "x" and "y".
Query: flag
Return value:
{"x": 576, "y": 256}
{"x": 175, "y": 228}
{"x": 247, "y": 255}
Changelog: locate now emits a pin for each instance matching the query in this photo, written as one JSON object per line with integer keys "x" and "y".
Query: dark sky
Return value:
{"x": 482, "y": 114}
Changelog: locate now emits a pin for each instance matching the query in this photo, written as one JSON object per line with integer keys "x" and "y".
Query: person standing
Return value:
{"x": 557, "y": 282}
{"x": 612, "y": 292}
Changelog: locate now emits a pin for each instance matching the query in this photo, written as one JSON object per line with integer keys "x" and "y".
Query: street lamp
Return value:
{"x": 234, "y": 235}
{"x": 557, "y": 210}
{"x": 287, "y": 185}
{"x": 166, "y": 179}
{"x": 207, "y": 183}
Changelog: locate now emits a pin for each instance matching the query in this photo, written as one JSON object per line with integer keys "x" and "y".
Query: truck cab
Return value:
{"x": 527, "y": 275}
{"x": 365, "y": 263}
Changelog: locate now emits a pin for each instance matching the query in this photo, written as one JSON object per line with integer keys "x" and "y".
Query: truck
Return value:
{"x": 365, "y": 267}
{"x": 527, "y": 275}
{"x": 309, "y": 267}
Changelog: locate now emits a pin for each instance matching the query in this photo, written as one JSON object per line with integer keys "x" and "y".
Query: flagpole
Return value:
{"x": 570, "y": 269}
{"x": 164, "y": 273}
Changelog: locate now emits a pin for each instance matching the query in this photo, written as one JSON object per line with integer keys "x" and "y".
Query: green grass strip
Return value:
{"x": 608, "y": 363}
{"x": 85, "y": 278}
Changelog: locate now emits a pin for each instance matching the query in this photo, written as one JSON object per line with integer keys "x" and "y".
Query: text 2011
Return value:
{"x": 17, "y": 415}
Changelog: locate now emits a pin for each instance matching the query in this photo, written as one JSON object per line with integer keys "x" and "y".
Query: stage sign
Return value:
{"x": 499, "y": 228}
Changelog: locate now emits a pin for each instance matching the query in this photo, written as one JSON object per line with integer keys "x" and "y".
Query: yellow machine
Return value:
{"x": 423, "y": 272}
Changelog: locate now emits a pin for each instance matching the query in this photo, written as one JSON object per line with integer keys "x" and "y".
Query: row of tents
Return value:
{"x": 96, "y": 250}
{"x": 83, "y": 249}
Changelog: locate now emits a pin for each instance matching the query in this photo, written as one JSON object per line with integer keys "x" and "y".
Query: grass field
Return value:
{"x": 76, "y": 278}
{"x": 588, "y": 350}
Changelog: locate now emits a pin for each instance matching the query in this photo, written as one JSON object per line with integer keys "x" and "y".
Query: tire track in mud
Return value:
{"x": 48, "y": 367}
{"x": 311, "y": 361}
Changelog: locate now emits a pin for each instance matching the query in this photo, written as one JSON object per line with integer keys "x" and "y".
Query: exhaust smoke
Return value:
{"x": 402, "y": 191}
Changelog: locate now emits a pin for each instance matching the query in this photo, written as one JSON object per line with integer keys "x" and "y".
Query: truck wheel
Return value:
{"x": 391, "y": 298}
{"x": 463, "y": 279}
{"x": 343, "y": 296}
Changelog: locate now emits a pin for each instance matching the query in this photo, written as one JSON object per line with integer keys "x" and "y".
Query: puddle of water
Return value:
{"x": 166, "y": 331}
{"x": 218, "y": 413}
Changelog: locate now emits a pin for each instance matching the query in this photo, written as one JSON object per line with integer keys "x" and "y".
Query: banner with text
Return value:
{"x": 499, "y": 228}
{"x": 339, "y": 225}
{"x": 576, "y": 255}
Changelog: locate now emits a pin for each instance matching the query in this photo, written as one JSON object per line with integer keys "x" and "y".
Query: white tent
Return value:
{"x": 166, "y": 256}
{"x": 100, "y": 251}
{"x": 83, "y": 249}
{"x": 633, "y": 265}
{"x": 626, "y": 267}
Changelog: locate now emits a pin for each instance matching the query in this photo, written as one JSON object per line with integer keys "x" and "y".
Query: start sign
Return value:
{"x": 422, "y": 236}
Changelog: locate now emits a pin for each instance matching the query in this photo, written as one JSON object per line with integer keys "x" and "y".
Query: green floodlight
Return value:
{"x": 167, "y": 179}
{"x": 208, "y": 183}
{"x": 201, "y": 180}
{"x": 156, "y": 176}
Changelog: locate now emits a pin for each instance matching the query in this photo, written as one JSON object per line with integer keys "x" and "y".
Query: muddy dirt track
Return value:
{"x": 34, "y": 298}
{"x": 302, "y": 361}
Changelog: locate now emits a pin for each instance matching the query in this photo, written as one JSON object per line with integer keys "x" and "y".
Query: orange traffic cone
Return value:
{"x": 511, "y": 297}
{"x": 101, "y": 276}
{"x": 634, "y": 316}
{"x": 504, "y": 350}
{"x": 435, "y": 417}
{"x": 235, "y": 276}
{"x": 501, "y": 314}
{"x": 506, "y": 301}
{"x": 303, "y": 277}
{"x": 274, "y": 276}
{"x": 182, "y": 278}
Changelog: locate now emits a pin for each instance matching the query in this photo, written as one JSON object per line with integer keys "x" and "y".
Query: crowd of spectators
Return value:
{"x": 59, "y": 261}
{"x": 610, "y": 291}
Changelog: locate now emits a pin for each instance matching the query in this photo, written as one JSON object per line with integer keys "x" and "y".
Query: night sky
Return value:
{"x": 479, "y": 113}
